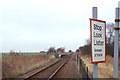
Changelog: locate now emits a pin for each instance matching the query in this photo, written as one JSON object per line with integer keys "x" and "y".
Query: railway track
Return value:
{"x": 49, "y": 72}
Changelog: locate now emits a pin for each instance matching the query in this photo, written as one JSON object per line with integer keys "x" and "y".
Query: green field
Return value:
{"x": 26, "y": 53}
{"x": 8, "y": 55}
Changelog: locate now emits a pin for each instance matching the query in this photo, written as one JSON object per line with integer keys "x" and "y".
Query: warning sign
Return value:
{"x": 98, "y": 40}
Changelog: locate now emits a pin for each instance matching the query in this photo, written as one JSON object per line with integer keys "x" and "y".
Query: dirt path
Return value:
{"x": 69, "y": 70}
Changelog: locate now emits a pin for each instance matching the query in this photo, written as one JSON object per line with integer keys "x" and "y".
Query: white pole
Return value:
{"x": 116, "y": 44}
{"x": 95, "y": 66}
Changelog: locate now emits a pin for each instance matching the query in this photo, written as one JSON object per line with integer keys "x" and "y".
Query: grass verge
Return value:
{"x": 15, "y": 65}
{"x": 105, "y": 70}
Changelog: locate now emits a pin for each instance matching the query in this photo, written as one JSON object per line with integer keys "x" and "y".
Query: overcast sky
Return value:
{"x": 34, "y": 25}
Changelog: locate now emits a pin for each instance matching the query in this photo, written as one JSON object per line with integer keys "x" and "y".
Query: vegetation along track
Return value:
{"x": 48, "y": 72}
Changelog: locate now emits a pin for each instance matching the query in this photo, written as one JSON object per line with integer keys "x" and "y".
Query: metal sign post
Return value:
{"x": 116, "y": 43}
{"x": 98, "y": 42}
{"x": 95, "y": 66}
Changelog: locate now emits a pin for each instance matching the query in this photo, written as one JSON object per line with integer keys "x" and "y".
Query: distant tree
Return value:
{"x": 86, "y": 49}
{"x": 88, "y": 41}
{"x": 51, "y": 50}
{"x": 110, "y": 49}
{"x": 110, "y": 32}
{"x": 61, "y": 50}
{"x": 12, "y": 52}
{"x": 77, "y": 50}
{"x": 42, "y": 52}
{"x": 70, "y": 51}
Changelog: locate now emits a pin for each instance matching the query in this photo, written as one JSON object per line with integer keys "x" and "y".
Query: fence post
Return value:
{"x": 77, "y": 58}
{"x": 78, "y": 63}
{"x": 87, "y": 72}
{"x": 84, "y": 70}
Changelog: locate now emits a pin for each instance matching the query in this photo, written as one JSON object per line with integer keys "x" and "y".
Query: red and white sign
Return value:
{"x": 98, "y": 40}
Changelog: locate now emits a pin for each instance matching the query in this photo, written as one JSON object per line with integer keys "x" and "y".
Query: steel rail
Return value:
{"x": 48, "y": 67}
{"x": 57, "y": 70}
